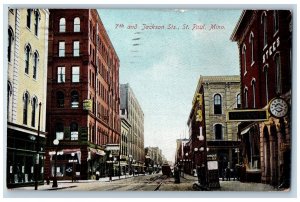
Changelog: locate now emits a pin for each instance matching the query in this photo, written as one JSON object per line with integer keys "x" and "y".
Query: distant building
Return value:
{"x": 83, "y": 95}
{"x": 180, "y": 151}
{"x": 264, "y": 39}
{"x": 26, "y": 88}
{"x": 130, "y": 104}
{"x": 125, "y": 128}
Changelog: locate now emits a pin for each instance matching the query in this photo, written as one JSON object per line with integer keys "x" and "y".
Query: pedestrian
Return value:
{"x": 227, "y": 173}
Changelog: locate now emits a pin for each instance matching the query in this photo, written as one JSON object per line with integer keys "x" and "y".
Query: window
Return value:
{"x": 253, "y": 92}
{"x": 62, "y": 25}
{"x": 59, "y": 131}
{"x": 25, "y": 107}
{"x": 75, "y": 74}
{"x": 10, "y": 41}
{"x": 28, "y": 19}
{"x": 276, "y": 21}
{"x": 264, "y": 23}
{"x": 34, "y": 105}
{"x": 60, "y": 74}
{"x": 75, "y": 48}
{"x": 266, "y": 83}
{"x": 238, "y": 101}
{"x": 61, "y": 49}
{"x": 278, "y": 74}
{"x": 9, "y": 92}
{"x": 60, "y": 99}
{"x": 246, "y": 97}
{"x": 36, "y": 22}
{"x": 74, "y": 99}
{"x": 244, "y": 58}
{"x": 251, "y": 40}
{"x": 27, "y": 55}
{"x": 77, "y": 24}
{"x": 217, "y": 104}
{"x": 74, "y": 131}
{"x": 218, "y": 132}
{"x": 35, "y": 65}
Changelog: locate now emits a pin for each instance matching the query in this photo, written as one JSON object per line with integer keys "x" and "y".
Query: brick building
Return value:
{"x": 83, "y": 94}
{"x": 264, "y": 39}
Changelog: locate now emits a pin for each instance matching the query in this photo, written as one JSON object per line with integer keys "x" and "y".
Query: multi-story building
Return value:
{"x": 136, "y": 133}
{"x": 180, "y": 151}
{"x": 26, "y": 94}
{"x": 214, "y": 96}
{"x": 83, "y": 94}
{"x": 264, "y": 39}
{"x": 125, "y": 127}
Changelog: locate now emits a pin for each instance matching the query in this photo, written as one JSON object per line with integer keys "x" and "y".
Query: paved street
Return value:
{"x": 146, "y": 183}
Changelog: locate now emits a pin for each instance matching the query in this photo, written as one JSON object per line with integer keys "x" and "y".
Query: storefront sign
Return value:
{"x": 247, "y": 115}
{"x": 87, "y": 104}
{"x": 271, "y": 49}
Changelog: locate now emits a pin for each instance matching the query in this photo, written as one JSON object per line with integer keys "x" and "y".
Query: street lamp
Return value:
{"x": 110, "y": 173}
{"x": 55, "y": 142}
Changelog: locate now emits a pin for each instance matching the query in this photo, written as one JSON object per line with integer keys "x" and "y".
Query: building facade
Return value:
{"x": 26, "y": 94}
{"x": 83, "y": 94}
{"x": 214, "y": 97}
{"x": 130, "y": 104}
{"x": 264, "y": 39}
{"x": 125, "y": 128}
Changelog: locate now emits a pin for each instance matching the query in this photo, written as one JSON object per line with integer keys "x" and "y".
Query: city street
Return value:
{"x": 155, "y": 182}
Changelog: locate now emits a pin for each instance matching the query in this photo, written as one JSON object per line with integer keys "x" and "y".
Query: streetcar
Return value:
{"x": 166, "y": 170}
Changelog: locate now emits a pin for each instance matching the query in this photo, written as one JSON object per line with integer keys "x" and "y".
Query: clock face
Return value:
{"x": 278, "y": 107}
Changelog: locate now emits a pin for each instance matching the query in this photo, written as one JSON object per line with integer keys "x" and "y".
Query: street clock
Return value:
{"x": 278, "y": 107}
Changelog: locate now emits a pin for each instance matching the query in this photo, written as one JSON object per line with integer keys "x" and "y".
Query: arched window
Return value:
{"x": 244, "y": 58}
{"x": 246, "y": 97}
{"x": 60, "y": 99}
{"x": 265, "y": 69}
{"x": 218, "y": 132}
{"x": 265, "y": 30}
{"x": 9, "y": 93}
{"x": 27, "y": 56}
{"x": 35, "y": 64}
{"x": 25, "y": 107}
{"x": 62, "y": 25}
{"x": 217, "y": 104}
{"x": 59, "y": 131}
{"x": 253, "y": 92}
{"x": 28, "y": 18}
{"x": 34, "y": 105}
{"x": 278, "y": 74}
{"x": 74, "y": 99}
{"x": 276, "y": 21}
{"x": 10, "y": 41}
{"x": 77, "y": 24}
{"x": 251, "y": 41}
{"x": 238, "y": 101}
{"x": 74, "y": 131}
{"x": 36, "y": 22}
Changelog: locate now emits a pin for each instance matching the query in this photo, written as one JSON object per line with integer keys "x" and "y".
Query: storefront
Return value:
{"x": 22, "y": 157}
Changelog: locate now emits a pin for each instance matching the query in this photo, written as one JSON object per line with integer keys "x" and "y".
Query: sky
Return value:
{"x": 162, "y": 66}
